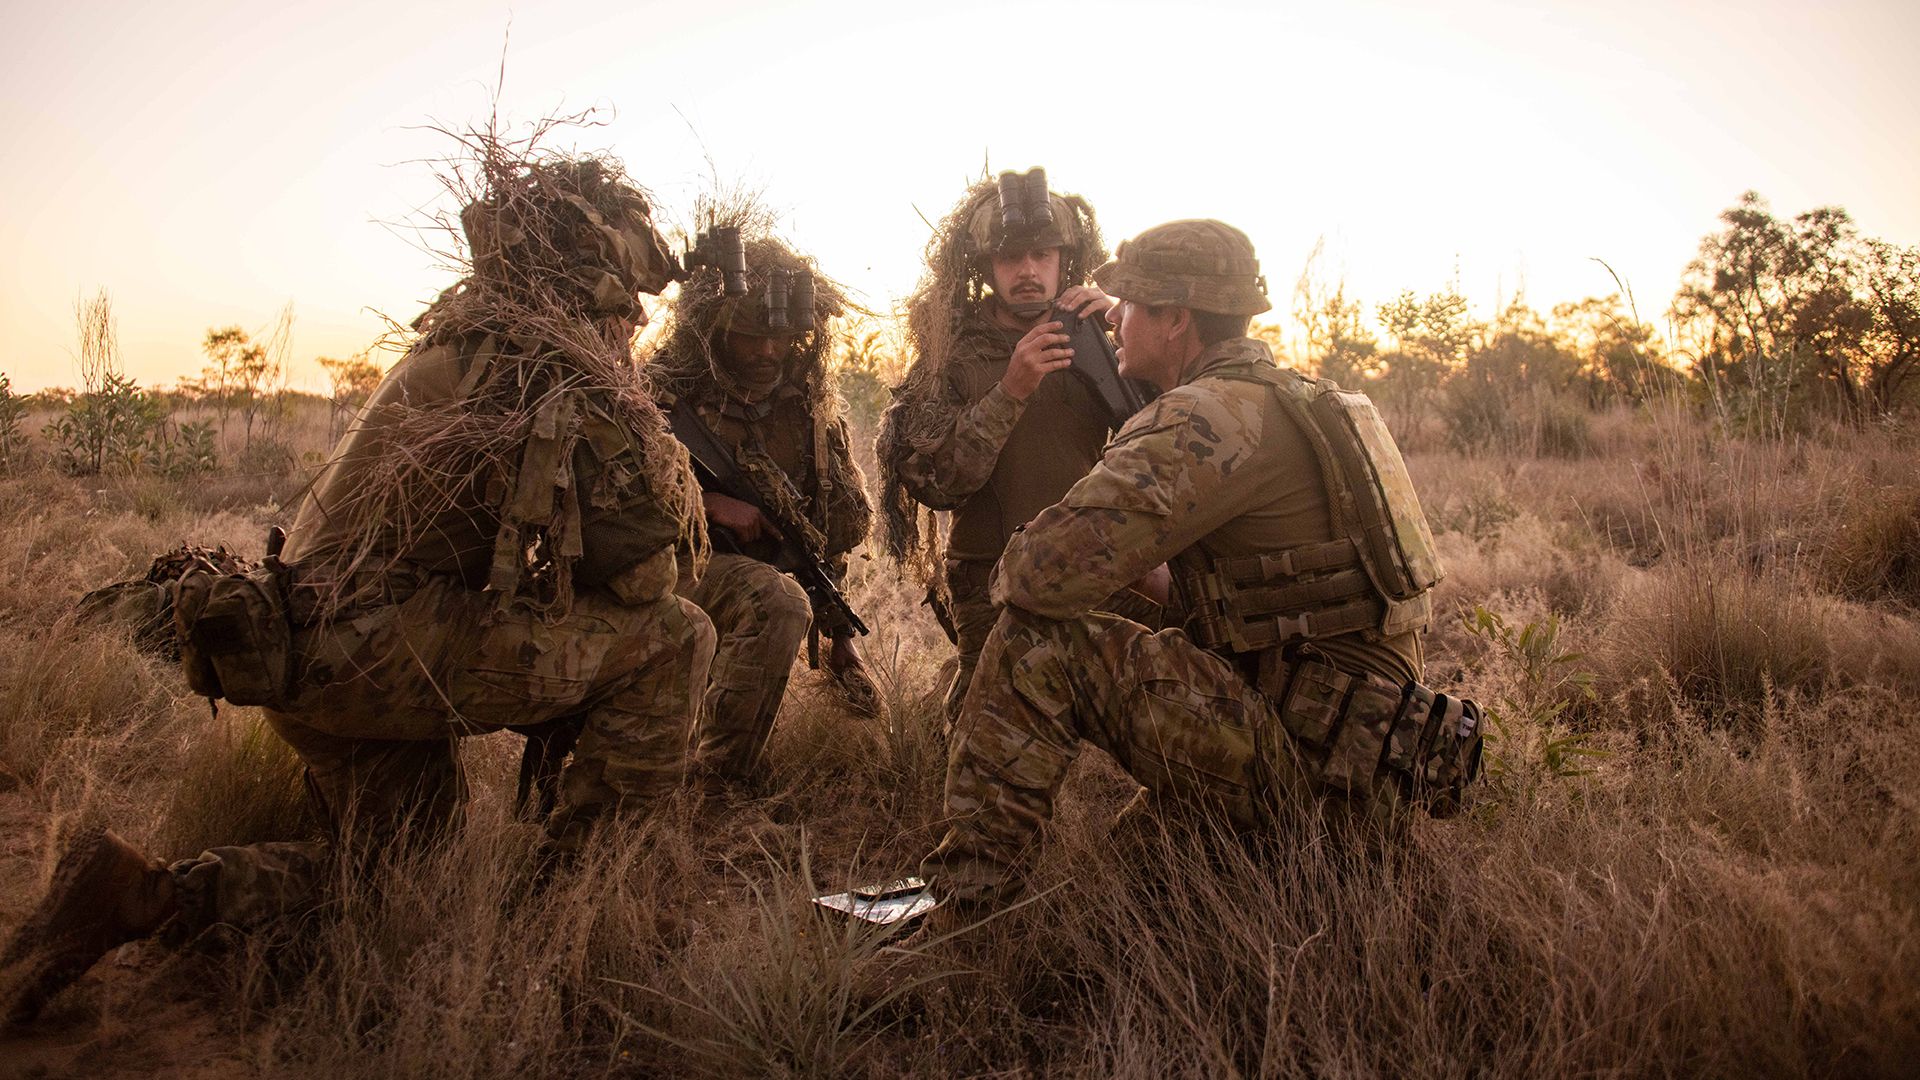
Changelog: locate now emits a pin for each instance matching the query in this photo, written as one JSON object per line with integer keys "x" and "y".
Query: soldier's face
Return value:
{"x": 1027, "y": 277}
{"x": 757, "y": 362}
{"x": 1145, "y": 338}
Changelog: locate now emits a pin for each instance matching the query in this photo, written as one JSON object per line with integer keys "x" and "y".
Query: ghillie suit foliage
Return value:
{"x": 952, "y": 289}
{"x": 687, "y": 362}
{"x": 144, "y": 605}
{"x": 556, "y": 249}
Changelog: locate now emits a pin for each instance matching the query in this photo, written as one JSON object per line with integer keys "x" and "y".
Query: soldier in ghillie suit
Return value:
{"x": 492, "y": 544}
{"x": 982, "y": 425}
{"x": 1301, "y": 562}
{"x": 741, "y": 369}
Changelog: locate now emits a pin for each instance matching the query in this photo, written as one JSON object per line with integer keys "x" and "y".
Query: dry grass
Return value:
{"x": 1728, "y": 889}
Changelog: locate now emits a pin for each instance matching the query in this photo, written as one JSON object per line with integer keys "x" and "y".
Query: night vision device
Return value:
{"x": 722, "y": 248}
{"x": 788, "y": 300}
{"x": 1024, "y": 207}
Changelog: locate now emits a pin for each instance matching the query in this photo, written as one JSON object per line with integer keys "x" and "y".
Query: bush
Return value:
{"x": 187, "y": 451}
{"x": 112, "y": 427}
{"x": 1873, "y": 552}
{"x": 13, "y": 409}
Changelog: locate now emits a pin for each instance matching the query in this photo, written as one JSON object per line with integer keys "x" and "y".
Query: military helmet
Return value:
{"x": 576, "y": 220}
{"x": 1201, "y": 265}
{"x": 992, "y": 229}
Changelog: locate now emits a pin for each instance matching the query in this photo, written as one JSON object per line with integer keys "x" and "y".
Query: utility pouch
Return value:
{"x": 1452, "y": 747}
{"x": 1312, "y": 699}
{"x": 1351, "y": 731}
{"x": 235, "y": 639}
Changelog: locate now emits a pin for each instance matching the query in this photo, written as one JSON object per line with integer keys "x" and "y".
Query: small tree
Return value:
{"x": 1893, "y": 339}
{"x": 1784, "y": 312}
{"x": 1337, "y": 343}
{"x": 1617, "y": 353}
{"x": 352, "y": 382}
{"x": 1430, "y": 340}
{"x": 112, "y": 422}
{"x": 13, "y": 409}
{"x": 244, "y": 373}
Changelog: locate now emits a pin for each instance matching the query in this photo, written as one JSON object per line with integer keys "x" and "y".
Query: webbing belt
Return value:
{"x": 1214, "y": 629}
{"x": 1305, "y": 559}
{"x": 1258, "y": 601}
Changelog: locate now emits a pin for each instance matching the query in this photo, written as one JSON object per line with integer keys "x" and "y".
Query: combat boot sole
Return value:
{"x": 104, "y": 893}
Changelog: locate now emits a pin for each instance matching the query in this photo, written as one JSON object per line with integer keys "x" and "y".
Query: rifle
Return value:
{"x": 1095, "y": 364}
{"x": 718, "y": 471}
{"x": 548, "y": 745}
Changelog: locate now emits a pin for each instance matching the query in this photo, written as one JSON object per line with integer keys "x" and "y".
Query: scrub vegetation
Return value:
{"x": 1686, "y": 590}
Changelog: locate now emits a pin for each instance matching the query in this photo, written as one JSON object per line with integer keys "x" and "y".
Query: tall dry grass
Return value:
{"x": 1693, "y": 858}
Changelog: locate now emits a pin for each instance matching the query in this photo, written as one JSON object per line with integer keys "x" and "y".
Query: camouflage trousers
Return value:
{"x": 760, "y": 616}
{"x": 383, "y": 696}
{"x": 974, "y": 614}
{"x": 1179, "y": 718}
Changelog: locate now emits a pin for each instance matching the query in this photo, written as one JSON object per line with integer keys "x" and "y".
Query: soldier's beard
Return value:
{"x": 1027, "y": 302}
{"x": 753, "y": 380}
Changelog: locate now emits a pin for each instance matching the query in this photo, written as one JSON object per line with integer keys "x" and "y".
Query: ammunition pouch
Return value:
{"x": 1351, "y": 732}
{"x": 236, "y": 641}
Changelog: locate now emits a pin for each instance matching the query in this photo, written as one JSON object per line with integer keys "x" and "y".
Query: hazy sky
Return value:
{"x": 209, "y": 162}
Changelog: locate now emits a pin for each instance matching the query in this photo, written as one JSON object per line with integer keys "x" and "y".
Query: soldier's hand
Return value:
{"x": 1156, "y": 584}
{"x": 1043, "y": 350}
{"x": 742, "y": 519}
{"x": 849, "y": 671}
{"x": 843, "y": 655}
{"x": 1088, "y": 302}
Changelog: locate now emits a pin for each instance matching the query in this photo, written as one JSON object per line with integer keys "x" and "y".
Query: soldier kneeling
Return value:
{"x": 1298, "y": 553}
{"x": 491, "y": 545}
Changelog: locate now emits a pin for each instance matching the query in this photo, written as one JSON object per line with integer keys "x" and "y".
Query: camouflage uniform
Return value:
{"x": 790, "y": 439}
{"x": 1214, "y": 471}
{"x": 405, "y": 639}
{"x": 759, "y": 611}
{"x": 994, "y": 461}
{"x": 1004, "y": 461}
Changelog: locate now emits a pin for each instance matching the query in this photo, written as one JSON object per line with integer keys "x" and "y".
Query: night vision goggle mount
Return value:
{"x": 1024, "y": 207}
{"x": 788, "y": 300}
{"x": 722, "y": 248}
{"x": 786, "y": 296}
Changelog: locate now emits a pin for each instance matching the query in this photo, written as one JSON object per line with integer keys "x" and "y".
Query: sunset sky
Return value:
{"x": 209, "y": 162}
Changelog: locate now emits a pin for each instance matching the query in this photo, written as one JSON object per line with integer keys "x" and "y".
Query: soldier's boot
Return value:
{"x": 105, "y": 892}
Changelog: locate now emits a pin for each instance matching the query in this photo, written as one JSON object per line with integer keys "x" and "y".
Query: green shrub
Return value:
{"x": 187, "y": 451}
{"x": 111, "y": 428}
{"x": 13, "y": 409}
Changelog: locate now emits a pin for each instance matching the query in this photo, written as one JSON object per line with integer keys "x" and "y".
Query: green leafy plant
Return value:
{"x": 13, "y": 409}
{"x": 108, "y": 428}
{"x": 186, "y": 450}
{"x": 1550, "y": 681}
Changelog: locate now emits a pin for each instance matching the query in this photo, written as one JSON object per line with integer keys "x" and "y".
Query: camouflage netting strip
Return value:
{"x": 684, "y": 359}
{"x": 556, "y": 248}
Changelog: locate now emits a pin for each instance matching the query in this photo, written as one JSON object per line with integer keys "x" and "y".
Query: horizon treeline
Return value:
{"x": 1776, "y": 324}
